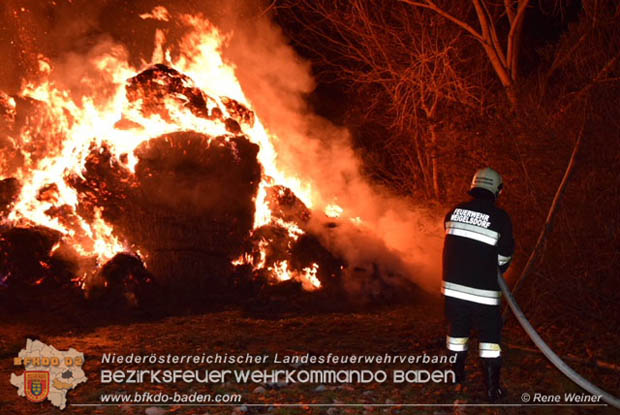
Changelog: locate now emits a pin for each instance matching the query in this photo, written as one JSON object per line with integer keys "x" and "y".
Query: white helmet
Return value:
{"x": 488, "y": 179}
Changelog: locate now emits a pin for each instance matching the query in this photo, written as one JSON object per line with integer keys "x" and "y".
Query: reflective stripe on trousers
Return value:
{"x": 476, "y": 295}
{"x": 456, "y": 344}
{"x": 489, "y": 350}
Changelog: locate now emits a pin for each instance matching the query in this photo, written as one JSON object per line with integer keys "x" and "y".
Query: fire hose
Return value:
{"x": 550, "y": 354}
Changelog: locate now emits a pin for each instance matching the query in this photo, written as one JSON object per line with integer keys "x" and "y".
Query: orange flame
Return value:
{"x": 307, "y": 278}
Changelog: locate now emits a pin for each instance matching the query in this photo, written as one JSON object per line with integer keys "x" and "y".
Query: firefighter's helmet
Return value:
{"x": 488, "y": 179}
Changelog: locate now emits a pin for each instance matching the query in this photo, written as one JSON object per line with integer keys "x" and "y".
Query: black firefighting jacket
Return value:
{"x": 478, "y": 241}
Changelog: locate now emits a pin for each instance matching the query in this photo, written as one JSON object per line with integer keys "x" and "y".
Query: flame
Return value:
{"x": 158, "y": 13}
{"x": 81, "y": 124}
{"x": 333, "y": 211}
{"x": 356, "y": 220}
{"x": 307, "y": 278}
{"x": 55, "y": 247}
{"x": 281, "y": 271}
{"x": 294, "y": 231}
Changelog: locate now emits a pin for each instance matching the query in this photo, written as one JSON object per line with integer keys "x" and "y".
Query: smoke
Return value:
{"x": 391, "y": 235}
{"x": 394, "y": 235}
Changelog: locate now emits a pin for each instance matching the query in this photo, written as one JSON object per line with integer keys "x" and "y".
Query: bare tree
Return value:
{"x": 503, "y": 56}
{"x": 406, "y": 61}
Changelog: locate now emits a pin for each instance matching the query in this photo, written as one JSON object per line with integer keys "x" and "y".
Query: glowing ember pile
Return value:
{"x": 167, "y": 165}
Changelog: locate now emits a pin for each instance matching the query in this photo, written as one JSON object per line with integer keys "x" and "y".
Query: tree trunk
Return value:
{"x": 435, "y": 172}
{"x": 502, "y": 73}
{"x": 423, "y": 164}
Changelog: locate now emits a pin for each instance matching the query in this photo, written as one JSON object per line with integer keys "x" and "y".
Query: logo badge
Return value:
{"x": 49, "y": 373}
{"x": 37, "y": 385}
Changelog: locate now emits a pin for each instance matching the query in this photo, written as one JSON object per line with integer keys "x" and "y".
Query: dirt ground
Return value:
{"x": 405, "y": 330}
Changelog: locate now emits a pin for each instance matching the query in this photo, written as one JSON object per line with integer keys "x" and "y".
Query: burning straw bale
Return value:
{"x": 151, "y": 88}
{"x": 198, "y": 175}
{"x": 276, "y": 252}
{"x": 189, "y": 206}
{"x": 27, "y": 262}
{"x": 123, "y": 281}
{"x": 309, "y": 250}
{"x": 286, "y": 206}
{"x": 206, "y": 189}
{"x": 34, "y": 275}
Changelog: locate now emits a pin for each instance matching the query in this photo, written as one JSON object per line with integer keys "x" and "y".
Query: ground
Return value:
{"x": 407, "y": 329}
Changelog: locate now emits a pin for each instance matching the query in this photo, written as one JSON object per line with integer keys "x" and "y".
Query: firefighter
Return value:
{"x": 478, "y": 242}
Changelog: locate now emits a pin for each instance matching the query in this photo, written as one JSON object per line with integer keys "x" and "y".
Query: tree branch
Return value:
{"x": 494, "y": 40}
{"x": 544, "y": 233}
{"x": 432, "y": 6}
{"x": 509, "y": 11}
{"x": 487, "y": 37}
{"x": 598, "y": 78}
{"x": 512, "y": 50}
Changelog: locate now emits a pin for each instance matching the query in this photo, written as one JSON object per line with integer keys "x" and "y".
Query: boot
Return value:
{"x": 458, "y": 367}
{"x": 492, "y": 368}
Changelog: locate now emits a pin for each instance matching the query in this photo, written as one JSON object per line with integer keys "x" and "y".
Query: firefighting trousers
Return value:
{"x": 464, "y": 315}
